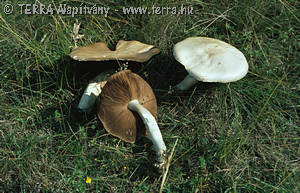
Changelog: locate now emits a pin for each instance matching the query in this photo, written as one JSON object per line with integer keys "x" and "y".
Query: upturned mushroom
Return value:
{"x": 124, "y": 94}
{"x": 209, "y": 60}
{"x": 125, "y": 50}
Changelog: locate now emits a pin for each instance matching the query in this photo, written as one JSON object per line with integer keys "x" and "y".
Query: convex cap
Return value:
{"x": 211, "y": 60}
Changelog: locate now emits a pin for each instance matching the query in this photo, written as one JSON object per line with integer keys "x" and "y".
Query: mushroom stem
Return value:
{"x": 186, "y": 83}
{"x": 152, "y": 129}
{"x": 92, "y": 91}
{"x": 89, "y": 97}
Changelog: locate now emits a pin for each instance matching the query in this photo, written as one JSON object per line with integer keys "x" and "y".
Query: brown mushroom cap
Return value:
{"x": 113, "y": 112}
{"x": 125, "y": 50}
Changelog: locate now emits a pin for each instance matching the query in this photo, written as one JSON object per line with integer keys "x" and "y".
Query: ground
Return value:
{"x": 235, "y": 137}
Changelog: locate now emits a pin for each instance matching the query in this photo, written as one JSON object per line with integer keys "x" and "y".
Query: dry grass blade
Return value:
{"x": 167, "y": 168}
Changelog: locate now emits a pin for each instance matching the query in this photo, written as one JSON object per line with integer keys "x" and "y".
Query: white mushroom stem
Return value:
{"x": 89, "y": 97}
{"x": 187, "y": 83}
{"x": 152, "y": 129}
{"x": 92, "y": 91}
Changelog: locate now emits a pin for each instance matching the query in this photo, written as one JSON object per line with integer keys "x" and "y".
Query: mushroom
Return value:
{"x": 125, "y": 50}
{"x": 125, "y": 94}
{"x": 209, "y": 60}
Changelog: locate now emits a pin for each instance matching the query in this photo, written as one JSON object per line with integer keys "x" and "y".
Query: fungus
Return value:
{"x": 209, "y": 60}
{"x": 125, "y": 94}
{"x": 125, "y": 50}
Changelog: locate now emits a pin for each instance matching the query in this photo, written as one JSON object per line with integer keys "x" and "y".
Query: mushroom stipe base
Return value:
{"x": 186, "y": 83}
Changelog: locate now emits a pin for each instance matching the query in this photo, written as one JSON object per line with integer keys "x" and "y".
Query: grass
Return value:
{"x": 237, "y": 137}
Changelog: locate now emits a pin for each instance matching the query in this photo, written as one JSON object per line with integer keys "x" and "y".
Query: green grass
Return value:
{"x": 237, "y": 137}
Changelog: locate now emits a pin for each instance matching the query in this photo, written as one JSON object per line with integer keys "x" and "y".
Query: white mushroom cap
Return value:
{"x": 211, "y": 60}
